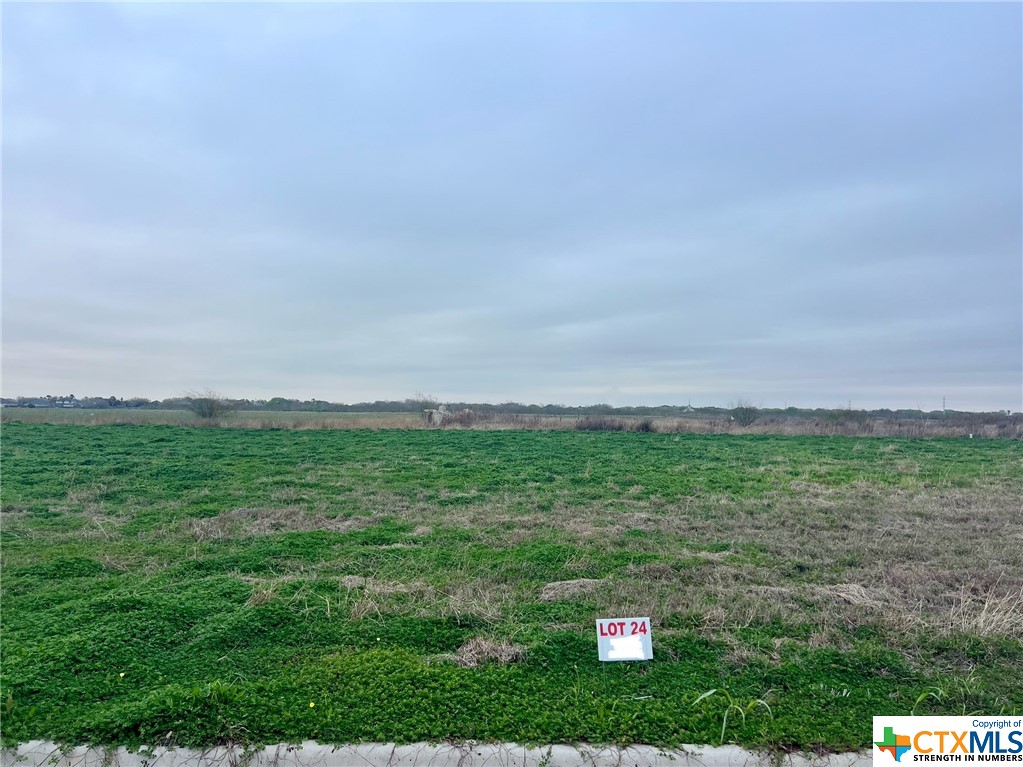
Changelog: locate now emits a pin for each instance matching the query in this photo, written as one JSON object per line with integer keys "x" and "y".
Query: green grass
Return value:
{"x": 201, "y": 586}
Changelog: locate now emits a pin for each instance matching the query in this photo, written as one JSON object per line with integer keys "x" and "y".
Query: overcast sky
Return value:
{"x": 800, "y": 204}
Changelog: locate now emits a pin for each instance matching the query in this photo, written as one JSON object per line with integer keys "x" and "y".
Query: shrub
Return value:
{"x": 599, "y": 423}
{"x": 745, "y": 413}
{"x": 464, "y": 418}
{"x": 209, "y": 407}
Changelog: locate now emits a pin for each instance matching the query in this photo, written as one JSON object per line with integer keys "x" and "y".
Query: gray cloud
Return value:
{"x": 639, "y": 204}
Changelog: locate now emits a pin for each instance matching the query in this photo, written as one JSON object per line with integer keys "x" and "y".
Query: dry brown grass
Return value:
{"x": 244, "y": 523}
{"x": 854, "y": 594}
{"x": 862, "y": 554}
{"x": 989, "y": 614}
{"x": 262, "y": 593}
{"x": 830, "y": 558}
{"x": 479, "y": 651}
{"x": 374, "y": 586}
{"x": 479, "y": 598}
{"x": 901, "y": 559}
{"x": 559, "y": 590}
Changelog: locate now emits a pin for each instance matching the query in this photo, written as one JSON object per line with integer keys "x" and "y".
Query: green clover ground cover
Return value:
{"x": 163, "y": 584}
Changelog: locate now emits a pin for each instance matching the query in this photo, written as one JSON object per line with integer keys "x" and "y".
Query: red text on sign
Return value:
{"x": 617, "y": 628}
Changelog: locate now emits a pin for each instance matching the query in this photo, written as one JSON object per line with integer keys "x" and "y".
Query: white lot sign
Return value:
{"x": 624, "y": 639}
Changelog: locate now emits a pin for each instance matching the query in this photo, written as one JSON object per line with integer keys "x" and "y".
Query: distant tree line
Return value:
{"x": 69, "y": 400}
{"x": 419, "y": 403}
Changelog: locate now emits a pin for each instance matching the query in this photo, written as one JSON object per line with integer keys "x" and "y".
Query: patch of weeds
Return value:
{"x": 734, "y": 707}
{"x": 953, "y": 697}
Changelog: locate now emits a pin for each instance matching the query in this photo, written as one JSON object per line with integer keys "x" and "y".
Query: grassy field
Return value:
{"x": 164, "y": 584}
{"x": 837, "y": 423}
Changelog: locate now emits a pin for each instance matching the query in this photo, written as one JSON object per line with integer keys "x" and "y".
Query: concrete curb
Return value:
{"x": 38, "y": 753}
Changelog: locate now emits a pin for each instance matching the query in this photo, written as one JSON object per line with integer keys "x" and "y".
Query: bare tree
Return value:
{"x": 209, "y": 406}
{"x": 744, "y": 412}
{"x": 422, "y": 401}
